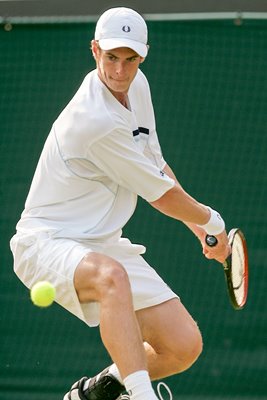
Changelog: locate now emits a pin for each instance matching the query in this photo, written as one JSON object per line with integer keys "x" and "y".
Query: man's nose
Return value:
{"x": 120, "y": 68}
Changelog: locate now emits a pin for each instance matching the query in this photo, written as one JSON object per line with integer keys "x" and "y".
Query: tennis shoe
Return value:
{"x": 76, "y": 392}
{"x": 103, "y": 386}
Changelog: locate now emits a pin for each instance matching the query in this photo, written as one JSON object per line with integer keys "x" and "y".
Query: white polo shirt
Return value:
{"x": 98, "y": 158}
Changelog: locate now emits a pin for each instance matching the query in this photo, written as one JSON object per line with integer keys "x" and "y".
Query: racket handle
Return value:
{"x": 211, "y": 240}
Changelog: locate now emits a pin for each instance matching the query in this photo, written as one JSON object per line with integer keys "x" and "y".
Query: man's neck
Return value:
{"x": 122, "y": 98}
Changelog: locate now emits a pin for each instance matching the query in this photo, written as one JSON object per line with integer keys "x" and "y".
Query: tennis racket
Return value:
{"x": 235, "y": 267}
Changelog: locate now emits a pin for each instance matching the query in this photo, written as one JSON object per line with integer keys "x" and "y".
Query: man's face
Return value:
{"x": 117, "y": 68}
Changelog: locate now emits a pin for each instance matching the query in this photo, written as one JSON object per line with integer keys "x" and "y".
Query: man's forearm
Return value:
{"x": 178, "y": 204}
{"x": 190, "y": 216}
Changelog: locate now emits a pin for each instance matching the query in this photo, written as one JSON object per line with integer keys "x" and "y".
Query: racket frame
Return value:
{"x": 227, "y": 266}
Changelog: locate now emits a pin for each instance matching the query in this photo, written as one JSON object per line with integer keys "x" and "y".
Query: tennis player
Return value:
{"x": 101, "y": 154}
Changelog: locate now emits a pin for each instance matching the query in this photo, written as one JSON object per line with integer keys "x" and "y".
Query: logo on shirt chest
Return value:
{"x": 137, "y": 132}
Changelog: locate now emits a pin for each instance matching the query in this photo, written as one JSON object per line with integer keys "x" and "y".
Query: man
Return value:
{"x": 103, "y": 152}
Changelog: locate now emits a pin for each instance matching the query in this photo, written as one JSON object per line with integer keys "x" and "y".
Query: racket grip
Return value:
{"x": 211, "y": 240}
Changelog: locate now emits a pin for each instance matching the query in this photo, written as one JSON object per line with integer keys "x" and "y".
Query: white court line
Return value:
{"x": 148, "y": 17}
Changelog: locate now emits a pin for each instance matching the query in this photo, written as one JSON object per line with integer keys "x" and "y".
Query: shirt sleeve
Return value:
{"x": 119, "y": 157}
{"x": 153, "y": 150}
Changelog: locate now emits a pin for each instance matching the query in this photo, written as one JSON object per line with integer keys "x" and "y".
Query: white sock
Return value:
{"x": 139, "y": 386}
{"x": 115, "y": 372}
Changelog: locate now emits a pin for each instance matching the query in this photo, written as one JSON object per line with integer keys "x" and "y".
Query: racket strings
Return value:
{"x": 239, "y": 269}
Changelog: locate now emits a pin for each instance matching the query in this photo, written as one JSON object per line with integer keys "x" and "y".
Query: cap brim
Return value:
{"x": 109, "y": 44}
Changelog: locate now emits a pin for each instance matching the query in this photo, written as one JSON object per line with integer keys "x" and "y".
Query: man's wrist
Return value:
{"x": 215, "y": 225}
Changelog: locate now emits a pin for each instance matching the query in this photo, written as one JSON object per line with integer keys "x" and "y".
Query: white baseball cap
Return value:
{"x": 122, "y": 27}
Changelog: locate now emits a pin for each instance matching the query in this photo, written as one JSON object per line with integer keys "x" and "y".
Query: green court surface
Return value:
{"x": 209, "y": 87}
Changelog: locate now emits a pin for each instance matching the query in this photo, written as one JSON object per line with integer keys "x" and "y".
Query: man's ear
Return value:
{"x": 94, "y": 48}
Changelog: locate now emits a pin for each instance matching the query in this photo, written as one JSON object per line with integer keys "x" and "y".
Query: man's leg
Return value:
{"x": 172, "y": 339}
{"x": 172, "y": 342}
{"x": 102, "y": 279}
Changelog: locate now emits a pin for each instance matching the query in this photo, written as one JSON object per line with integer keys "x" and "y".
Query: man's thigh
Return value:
{"x": 168, "y": 326}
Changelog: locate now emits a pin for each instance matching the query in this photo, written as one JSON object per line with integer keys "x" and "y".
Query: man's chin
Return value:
{"x": 120, "y": 87}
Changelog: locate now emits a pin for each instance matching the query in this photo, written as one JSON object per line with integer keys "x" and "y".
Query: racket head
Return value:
{"x": 236, "y": 269}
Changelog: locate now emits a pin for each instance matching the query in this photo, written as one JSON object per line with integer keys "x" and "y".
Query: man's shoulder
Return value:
{"x": 86, "y": 110}
{"x": 85, "y": 119}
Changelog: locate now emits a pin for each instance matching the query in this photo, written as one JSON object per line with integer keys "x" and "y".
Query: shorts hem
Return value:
{"x": 155, "y": 301}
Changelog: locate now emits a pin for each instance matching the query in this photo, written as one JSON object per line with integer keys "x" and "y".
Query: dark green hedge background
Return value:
{"x": 209, "y": 86}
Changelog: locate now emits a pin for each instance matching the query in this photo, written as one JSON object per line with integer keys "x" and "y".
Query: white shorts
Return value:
{"x": 41, "y": 257}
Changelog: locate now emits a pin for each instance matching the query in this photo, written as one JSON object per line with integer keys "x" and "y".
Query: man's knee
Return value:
{"x": 113, "y": 279}
{"x": 189, "y": 352}
{"x": 196, "y": 345}
{"x": 98, "y": 276}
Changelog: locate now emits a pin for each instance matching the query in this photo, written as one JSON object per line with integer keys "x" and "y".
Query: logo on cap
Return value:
{"x": 126, "y": 28}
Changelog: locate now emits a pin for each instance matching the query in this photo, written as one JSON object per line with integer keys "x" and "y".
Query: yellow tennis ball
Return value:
{"x": 43, "y": 294}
